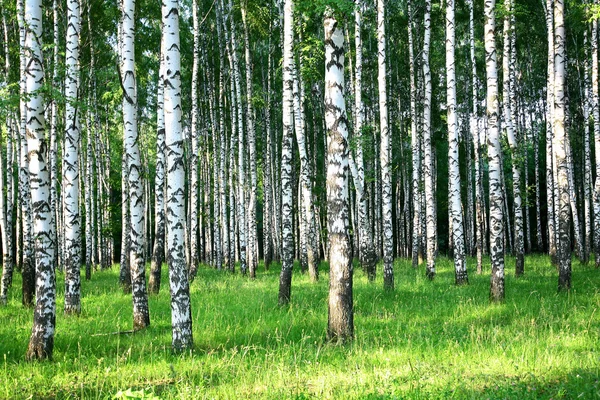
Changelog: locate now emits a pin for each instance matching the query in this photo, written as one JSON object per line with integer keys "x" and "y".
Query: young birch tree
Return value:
{"x": 341, "y": 314}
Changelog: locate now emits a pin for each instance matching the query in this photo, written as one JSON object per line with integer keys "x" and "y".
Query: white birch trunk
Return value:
{"x": 457, "y": 232}
{"x": 494, "y": 156}
{"x": 341, "y": 317}
{"x": 509, "y": 119}
{"x": 141, "y": 315}
{"x": 287, "y": 234}
{"x": 428, "y": 168}
{"x": 385, "y": 153}
{"x": 158, "y": 252}
{"x": 560, "y": 147}
{"x": 70, "y": 173}
{"x": 42, "y": 336}
{"x": 181, "y": 312}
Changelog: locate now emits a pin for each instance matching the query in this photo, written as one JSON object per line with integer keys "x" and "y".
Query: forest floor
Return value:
{"x": 424, "y": 340}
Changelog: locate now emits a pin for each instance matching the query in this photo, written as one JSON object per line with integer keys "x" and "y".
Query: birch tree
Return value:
{"x": 141, "y": 315}
{"x": 287, "y": 204}
{"x": 508, "y": 89}
{"x": 460, "y": 267}
{"x": 560, "y": 146}
{"x": 41, "y": 342}
{"x": 385, "y": 152}
{"x": 341, "y": 314}
{"x": 158, "y": 252}
{"x": 181, "y": 312}
{"x": 70, "y": 173}
{"x": 494, "y": 157}
{"x": 430, "y": 210}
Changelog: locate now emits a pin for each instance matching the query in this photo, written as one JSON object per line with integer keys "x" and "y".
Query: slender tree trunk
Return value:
{"x": 70, "y": 173}
{"x": 428, "y": 159}
{"x": 596, "y": 117}
{"x": 287, "y": 234}
{"x": 508, "y": 94}
{"x": 560, "y": 147}
{"x": 26, "y": 249}
{"x": 415, "y": 145}
{"x": 341, "y": 314}
{"x": 141, "y": 315}
{"x": 158, "y": 252}
{"x": 181, "y": 312}
{"x": 549, "y": 133}
{"x": 587, "y": 179}
{"x": 252, "y": 232}
{"x": 385, "y": 153}
{"x": 6, "y": 184}
{"x": 42, "y": 336}
{"x": 193, "y": 160}
{"x": 460, "y": 267}
{"x": 494, "y": 156}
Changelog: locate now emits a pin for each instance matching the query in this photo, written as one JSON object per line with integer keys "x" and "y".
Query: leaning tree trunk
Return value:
{"x": 341, "y": 314}
{"x": 494, "y": 156}
{"x": 430, "y": 210}
{"x": 42, "y": 336}
{"x": 287, "y": 203}
{"x": 460, "y": 266}
{"x": 385, "y": 153}
{"x": 141, "y": 315}
{"x": 181, "y": 312}
{"x": 560, "y": 146}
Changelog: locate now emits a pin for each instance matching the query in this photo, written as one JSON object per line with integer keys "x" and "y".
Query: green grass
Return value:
{"x": 424, "y": 340}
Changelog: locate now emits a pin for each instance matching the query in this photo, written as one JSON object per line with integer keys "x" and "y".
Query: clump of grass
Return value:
{"x": 424, "y": 340}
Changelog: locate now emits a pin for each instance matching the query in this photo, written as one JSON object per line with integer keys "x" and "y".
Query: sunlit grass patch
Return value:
{"x": 427, "y": 339}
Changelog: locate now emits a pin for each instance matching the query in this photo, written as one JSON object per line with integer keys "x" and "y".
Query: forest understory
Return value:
{"x": 425, "y": 340}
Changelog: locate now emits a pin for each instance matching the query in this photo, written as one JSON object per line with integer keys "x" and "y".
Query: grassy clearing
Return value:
{"x": 425, "y": 340}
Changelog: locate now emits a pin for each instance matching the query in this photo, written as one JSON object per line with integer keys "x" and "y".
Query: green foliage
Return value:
{"x": 426, "y": 340}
